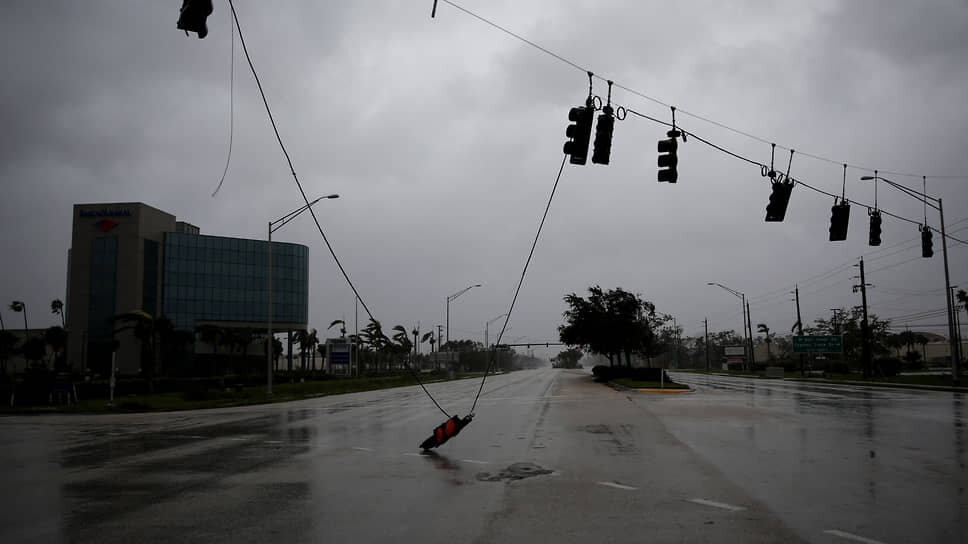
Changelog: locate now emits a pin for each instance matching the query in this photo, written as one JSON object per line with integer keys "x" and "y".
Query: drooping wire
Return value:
{"x": 654, "y": 100}
{"x": 764, "y": 168}
{"x": 302, "y": 192}
{"x": 524, "y": 272}
{"x": 228, "y": 158}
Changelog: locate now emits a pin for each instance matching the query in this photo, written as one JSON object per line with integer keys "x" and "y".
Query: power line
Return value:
{"x": 309, "y": 207}
{"x": 228, "y": 158}
{"x": 654, "y": 100}
{"x": 507, "y": 317}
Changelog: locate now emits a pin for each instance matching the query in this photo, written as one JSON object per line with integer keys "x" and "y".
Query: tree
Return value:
{"x": 568, "y": 358}
{"x": 403, "y": 344}
{"x": 142, "y": 326}
{"x": 761, "y": 327}
{"x": 848, "y": 323}
{"x": 56, "y": 338}
{"x": 342, "y": 328}
{"x": 614, "y": 323}
{"x": 57, "y": 307}
{"x": 19, "y": 306}
{"x": 211, "y": 335}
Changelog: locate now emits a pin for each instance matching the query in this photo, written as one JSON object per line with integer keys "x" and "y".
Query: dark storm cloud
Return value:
{"x": 443, "y": 137}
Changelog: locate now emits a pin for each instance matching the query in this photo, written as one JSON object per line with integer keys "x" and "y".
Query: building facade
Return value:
{"x": 129, "y": 256}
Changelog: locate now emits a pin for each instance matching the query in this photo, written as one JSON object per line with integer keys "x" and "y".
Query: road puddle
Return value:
{"x": 517, "y": 471}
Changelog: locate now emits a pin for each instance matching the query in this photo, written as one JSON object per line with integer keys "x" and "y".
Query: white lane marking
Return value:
{"x": 618, "y": 486}
{"x": 238, "y": 439}
{"x": 851, "y": 536}
{"x": 714, "y": 504}
{"x": 274, "y": 442}
{"x": 411, "y": 454}
{"x": 358, "y": 448}
{"x": 475, "y": 461}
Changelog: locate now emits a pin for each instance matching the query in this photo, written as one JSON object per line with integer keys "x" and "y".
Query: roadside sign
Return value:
{"x": 818, "y": 344}
{"x": 734, "y": 351}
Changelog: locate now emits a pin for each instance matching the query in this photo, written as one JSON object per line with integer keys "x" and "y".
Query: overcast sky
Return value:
{"x": 443, "y": 138}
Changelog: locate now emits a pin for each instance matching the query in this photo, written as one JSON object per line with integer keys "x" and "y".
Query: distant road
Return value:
{"x": 733, "y": 462}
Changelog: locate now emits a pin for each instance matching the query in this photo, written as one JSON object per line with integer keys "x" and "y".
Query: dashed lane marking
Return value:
{"x": 715, "y": 504}
{"x": 475, "y": 461}
{"x": 851, "y": 536}
{"x": 358, "y": 448}
{"x": 618, "y": 486}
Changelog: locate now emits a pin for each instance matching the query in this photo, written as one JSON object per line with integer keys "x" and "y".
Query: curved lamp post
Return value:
{"x": 274, "y": 226}
{"x": 452, "y": 297}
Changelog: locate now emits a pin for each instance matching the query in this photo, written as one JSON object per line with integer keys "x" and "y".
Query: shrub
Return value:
{"x": 888, "y": 367}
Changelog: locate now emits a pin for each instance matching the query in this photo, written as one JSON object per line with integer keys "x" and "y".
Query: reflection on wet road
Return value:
{"x": 885, "y": 464}
{"x": 551, "y": 456}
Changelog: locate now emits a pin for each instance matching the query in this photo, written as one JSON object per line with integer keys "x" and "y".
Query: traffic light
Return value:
{"x": 579, "y": 132}
{"x": 192, "y": 16}
{"x": 603, "y": 136}
{"x": 667, "y": 158}
{"x": 445, "y": 431}
{"x": 779, "y": 198}
{"x": 839, "y": 217}
{"x": 875, "y": 234}
{"x": 927, "y": 246}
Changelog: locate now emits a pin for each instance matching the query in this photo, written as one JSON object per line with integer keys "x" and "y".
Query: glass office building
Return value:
{"x": 129, "y": 256}
{"x": 218, "y": 279}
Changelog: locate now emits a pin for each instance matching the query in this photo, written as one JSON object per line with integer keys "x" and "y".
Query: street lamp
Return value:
{"x": 452, "y": 297}
{"x": 486, "y": 325}
{"x": 747, "y": 325}
{"x": 936, "y": 204}
{"x": 274, "y": 226}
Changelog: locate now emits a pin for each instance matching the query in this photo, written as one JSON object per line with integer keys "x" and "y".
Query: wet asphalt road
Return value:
{"x": 731, "y": 462}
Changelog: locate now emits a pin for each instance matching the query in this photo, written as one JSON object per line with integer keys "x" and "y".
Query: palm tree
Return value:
{"x": 761, "y": 327}
{"x": 402, "y": 339}
{"x": 57, "y": 307}
{"x": 18, "y": 306}
{"x": 142, "y": 326}
{"x": 342, "y": 328}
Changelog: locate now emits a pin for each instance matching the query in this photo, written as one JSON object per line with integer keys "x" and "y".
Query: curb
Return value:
{"x": 620, "y": 387}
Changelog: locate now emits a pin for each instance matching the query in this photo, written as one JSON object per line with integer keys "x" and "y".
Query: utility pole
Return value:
{"x": 864, "y": 325}
{"x": 749, "y": 324}
{"x": 796, "y": 292}
{"x": 705, "y": 345}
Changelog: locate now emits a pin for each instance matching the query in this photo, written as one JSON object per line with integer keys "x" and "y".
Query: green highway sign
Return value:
{"x": 818, "y": 344}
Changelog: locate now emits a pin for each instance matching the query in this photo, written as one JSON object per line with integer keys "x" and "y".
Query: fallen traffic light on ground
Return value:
{"x": 445, "y": 431}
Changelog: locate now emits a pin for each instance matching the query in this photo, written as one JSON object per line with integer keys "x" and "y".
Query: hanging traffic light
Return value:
{"x": 579, "y": 132}
{"x": 839, "y": 218}
{"x": 927, "y": 245}
{"x": 445, "y": 431}
{"x": 779, "y": 198}
{"x": 603, "y": 136}
{"x": 874, "y": 239}
{"x": 668, "y": 161}
{"x": 192, "y": 15}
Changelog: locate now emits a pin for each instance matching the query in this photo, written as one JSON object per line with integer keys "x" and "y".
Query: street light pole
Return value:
{"x": 274, "y": 226}
{"x": 747, "y": 326}
{"x": 486, "y": 326}
{"x": 452, "y": 297}
{"x": 938, "y": 205}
